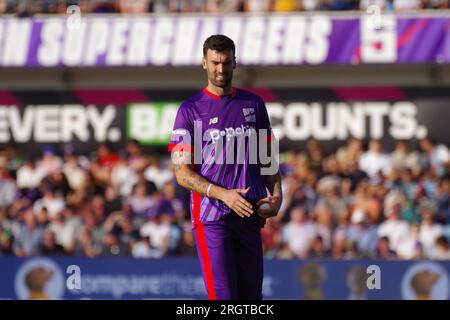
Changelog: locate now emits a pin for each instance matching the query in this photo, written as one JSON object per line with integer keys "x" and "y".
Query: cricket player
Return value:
{"x": 216, "y": 147}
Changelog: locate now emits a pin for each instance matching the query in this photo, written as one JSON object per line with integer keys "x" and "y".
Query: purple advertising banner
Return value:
{"x": 106, "y": 41}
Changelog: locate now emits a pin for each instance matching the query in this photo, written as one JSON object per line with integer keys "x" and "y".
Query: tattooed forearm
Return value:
{"x": 194, "y": 181}
{"x": 185, "y": 176}
{"x": 273, "y": 183}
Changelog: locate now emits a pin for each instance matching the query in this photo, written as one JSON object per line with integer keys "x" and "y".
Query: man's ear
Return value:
{"x": 234, "y": 63}
{"x": 204, "y": 63}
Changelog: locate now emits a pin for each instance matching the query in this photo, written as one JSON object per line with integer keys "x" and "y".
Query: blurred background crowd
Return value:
{"x": 360, "y": 201}
{"x": 31, "y": 7}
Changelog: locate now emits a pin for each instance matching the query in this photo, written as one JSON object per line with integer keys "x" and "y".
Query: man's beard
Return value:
{"x": 223, "y": 83}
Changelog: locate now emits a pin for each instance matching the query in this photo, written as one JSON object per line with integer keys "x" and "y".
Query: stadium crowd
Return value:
{"x": 357, "y": 202}
{"x": 30, "y": 7}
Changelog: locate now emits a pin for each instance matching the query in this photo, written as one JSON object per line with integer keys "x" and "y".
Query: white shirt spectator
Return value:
{"x": 428, "y": 236}
{"x": 76, "y": 177}
{"x": 410, "y": 160}
{"x": 298, "y": 236}
{"x": 364, "y": 4}
{"x": 407, "y": 4}
{"x": 65, "y": 232}
{"x": 124, "y": 178}
{"x": 257, "y": 5}
{"x": 54, "y": 205}
{"x": 142, "y": 249}
{"x": 396, "y": 230}
{"x": 158, "y": 176}
{"x": 373, "y": 162}
{"x": 28, "y": 177}
{"x": 159, "y": 233}
{"x": 407, "y": 248}
{"x": 7, "y": 192}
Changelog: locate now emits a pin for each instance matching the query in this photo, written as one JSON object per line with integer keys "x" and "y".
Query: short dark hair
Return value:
{"x": 218, "y": 42}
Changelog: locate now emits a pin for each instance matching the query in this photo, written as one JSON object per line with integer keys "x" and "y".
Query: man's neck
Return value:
{"x": 219, "y": 91}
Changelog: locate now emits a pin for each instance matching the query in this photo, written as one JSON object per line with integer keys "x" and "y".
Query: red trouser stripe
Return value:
{"x": 209, "y": 278}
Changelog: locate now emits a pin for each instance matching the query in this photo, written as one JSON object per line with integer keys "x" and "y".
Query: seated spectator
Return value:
{"x": 394, "y": 229}
{"x": 363, "y": 233}
{"x": 170, "y": 204}
{"x": 401, "y": 5}
{"x": 284, "y": 5}
{"x": 134, "y": 6}
{"x": 50, "y": 247}
{"x": 298, "y": 233}
{"x": 429, "y": 230}
{"x": 411, "y": 247}
{"x": 143, "y": 248}
{"x": 30, "y": 236}
{"x": 374, "y": 161}
{"x": 256, "y": 5}
{"x": 317, "y": 249}
{"x": 436, "y": 156}
{"x": 112, "y": 247}
{"x": 85, "y": 246}
{"x": 382, "y": 4}
{"x": 187, "y": 243}
{"x": 142, "y": 203}
{"x": 437, "y": 4}
{"x": 54, "y": 202}
{"x": 384, "y": 250}
{"x": 403, "y": 158}
{"x": 159, "y": 233}
{"x": 442, "y": 249}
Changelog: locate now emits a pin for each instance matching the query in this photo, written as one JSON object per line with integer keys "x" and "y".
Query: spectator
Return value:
{"x": 394, "y": 229}
{"x": 429, "y": 230}
{"x": 134, "y": 6}
{"x": 28, "y": 241}
{"x": 50, "y": 247}
{"x": 374, "y": 161}
{"x": 363, "y": 233}
{"x": 442, "y": 249}
{"x": 142, "y": 248}
{"x": 299, "y": 232}
{"x": 384, "y": 250}
{"x": 436, "y": 156}
{"x": 400, "y": 5}
{"x": 187, "y": 243}
{"x": 113, "y": 247}
{"x": 318, "y": 249}
{"x": 411, "y": 247}
{"x": 256, "y": 5}
{"x": 403, "y": 158}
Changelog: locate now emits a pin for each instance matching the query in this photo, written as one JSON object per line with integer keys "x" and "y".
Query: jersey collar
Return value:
{"x": 217, "y": 97}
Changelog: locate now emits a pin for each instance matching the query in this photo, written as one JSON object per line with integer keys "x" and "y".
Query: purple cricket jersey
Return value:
{"x": 228, "y": 130}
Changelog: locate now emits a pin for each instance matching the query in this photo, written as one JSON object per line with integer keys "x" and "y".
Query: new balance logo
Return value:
{"x": 213, "y": 120}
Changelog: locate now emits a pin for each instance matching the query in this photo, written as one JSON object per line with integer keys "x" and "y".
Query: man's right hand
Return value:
{"x": 234, "y": 200}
